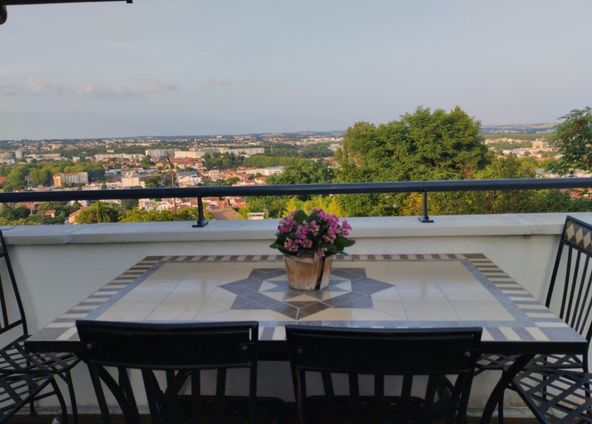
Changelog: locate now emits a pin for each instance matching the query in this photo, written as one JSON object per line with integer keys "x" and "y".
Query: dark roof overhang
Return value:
{"x": 4, "y": 3}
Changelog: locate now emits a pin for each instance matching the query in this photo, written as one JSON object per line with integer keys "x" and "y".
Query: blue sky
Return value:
{"x": 169, "y": 67}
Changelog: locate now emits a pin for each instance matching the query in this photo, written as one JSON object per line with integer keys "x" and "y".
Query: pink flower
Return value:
{"x": 310, "y": 234}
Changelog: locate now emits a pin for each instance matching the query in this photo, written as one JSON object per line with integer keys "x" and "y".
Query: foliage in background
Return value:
{"x": 306, "y": 172}
{"x": 11, "y": 214}
{"x": 142, "y": 215}
{"x": 24, "y": 175}
{"x": 573, "y": 140}
{"x": 427, "y": 145}
{"x": 98, "y": 212}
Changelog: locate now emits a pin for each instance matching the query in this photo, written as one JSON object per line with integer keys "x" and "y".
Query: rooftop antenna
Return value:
{"x": 4, "y": 3}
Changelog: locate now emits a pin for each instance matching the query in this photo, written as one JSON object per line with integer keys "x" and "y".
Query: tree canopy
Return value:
{"x": 424, "y": 145}
{"x": 573, "y": 140}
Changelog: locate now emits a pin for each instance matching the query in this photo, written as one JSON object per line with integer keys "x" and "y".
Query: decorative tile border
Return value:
{"x": 534, "y": 322}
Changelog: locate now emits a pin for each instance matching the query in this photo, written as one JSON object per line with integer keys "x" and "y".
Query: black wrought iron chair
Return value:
{"x": 556, "y": 395}
{"x": 14, "y": 359}
{"x": 18, "y": 390}
{"x": 181, "y": 352}
{"x": 431, "y": 353}
{"x": 570, "y": 296}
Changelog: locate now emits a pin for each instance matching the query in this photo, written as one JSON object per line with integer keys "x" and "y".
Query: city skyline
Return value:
{"x": 118, "y": 70}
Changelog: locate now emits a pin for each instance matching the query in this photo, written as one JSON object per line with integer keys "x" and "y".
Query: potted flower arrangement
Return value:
{"x": 308, "y": 243}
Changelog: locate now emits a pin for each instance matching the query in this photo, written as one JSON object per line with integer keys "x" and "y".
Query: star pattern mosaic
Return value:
{"x": 269, "y": 289}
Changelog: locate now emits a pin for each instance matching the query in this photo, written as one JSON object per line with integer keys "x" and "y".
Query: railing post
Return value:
{"x": 425, "y": 218}
{"x": 201, "y": 219}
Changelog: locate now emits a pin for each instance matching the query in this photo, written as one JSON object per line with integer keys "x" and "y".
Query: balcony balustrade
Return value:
{"x": 57, "y": 266}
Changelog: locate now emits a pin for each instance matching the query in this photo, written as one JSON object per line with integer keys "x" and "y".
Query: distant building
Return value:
{"x": 73, "y": 178}
{"x": 185, "y": 163}
{"x": 272, "y": 170}
{"x": 243, "y": 151}
{"x": 188, "y": 154}
{"x": 215, "y": 175}
{"x": 131, "y": 179}
{"x": 157, "y": 154}
{"x": 188, "y": 179}
{"x": 43, "y": 156}
{"x": 104, "y": 157}
{"x": 72, "y": 217}
{"x": 540, "y": 145}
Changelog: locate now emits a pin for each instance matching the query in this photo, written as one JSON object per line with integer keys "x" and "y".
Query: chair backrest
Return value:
{"x": 432, "y": 353}
{"x": 11, "y": 305}
{"x": 569, "y": 291}
{"x": 181, "y": 351}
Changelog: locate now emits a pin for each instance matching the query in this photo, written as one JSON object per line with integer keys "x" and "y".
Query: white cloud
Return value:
{"x": 7, "y": 90}
{"x": 41, "y": 86}
{"x": 215, "y": 82}
{"x": 124, "y": 90}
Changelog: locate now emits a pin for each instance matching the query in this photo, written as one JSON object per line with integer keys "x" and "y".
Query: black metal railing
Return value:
{"x": 200, "y": 192}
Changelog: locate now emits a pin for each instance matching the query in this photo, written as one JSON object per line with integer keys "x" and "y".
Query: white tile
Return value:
{"x": 537, "y": 334}
{"x": 210, "y": 308}
{"x": 395, "y": 309}
{"x": 540, "y": 314}
{"x": 431, "y": 314}
{"x": 74, "y": 316}
{"x": 390, "y": 294}
{"x": 228, "y": 315}
{"x": 551, "y": 324}
{"x": 509, "y": 333}
{"x": 360, "y": 314}
{"x": 279, "y": 333}
{"x": 61, "y": 324}
{"x": 67, "y": 334}
{"x": 491, "y": 313}
{"x": 266, "y": 315}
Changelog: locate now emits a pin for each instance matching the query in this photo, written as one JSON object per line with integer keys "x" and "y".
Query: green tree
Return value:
{"x": 573, "y": 140}
{"x": 306, "y": 172}
{"x": 142, "y": 215}
{"x": 262, "y": 161}
{"x": 17, "y": 177}
{"x": 129, "y": 203}
{"x": 330, "y": 204}
{"x": 271, "y": 206}
{"x": 146, "y": 163}
{"x": 98, "y": 212}
{"x": 153, "y": 181}
{"x": 420, "y": 146}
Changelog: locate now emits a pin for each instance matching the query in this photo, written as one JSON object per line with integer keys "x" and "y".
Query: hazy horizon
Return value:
{"x": 97, "y": 70}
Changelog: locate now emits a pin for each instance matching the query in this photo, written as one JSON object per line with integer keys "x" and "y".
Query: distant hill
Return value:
{"x": 519, "y": 128}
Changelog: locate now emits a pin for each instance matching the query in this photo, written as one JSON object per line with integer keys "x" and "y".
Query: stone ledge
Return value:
{"x": 363, "y": 227}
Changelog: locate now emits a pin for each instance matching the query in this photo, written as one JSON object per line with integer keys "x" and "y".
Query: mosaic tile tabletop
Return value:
{"x": 379, "y": 291}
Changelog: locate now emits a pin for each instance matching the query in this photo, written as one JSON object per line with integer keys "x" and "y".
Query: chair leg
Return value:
{"x": 500, "y": 409}
{"x": 63, "y": 407}
{"x": 68, "y": 378}
{"x": 33, "y": 411}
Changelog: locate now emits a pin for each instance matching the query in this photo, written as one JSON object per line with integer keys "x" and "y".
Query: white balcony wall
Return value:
{"x": 57, "y": 266}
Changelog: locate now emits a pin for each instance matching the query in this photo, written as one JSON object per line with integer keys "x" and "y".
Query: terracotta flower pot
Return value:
{"x": 308, "y": 273}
